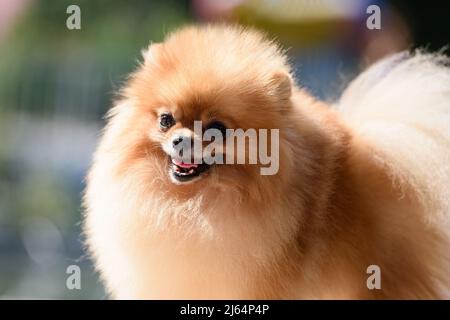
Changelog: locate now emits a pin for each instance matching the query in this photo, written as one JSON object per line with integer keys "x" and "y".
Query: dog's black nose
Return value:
{"x": 176, "y": 141}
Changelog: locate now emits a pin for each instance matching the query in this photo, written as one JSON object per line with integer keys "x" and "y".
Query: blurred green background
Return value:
{"x": 56, "y": 84}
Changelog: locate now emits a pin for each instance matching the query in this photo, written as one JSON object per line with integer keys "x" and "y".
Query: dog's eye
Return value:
{"x": 219, "y": 126}
{"x": 166, "y": 120}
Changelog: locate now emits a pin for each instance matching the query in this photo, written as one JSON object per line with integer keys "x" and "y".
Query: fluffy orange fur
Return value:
{"x": 342, "y": 200}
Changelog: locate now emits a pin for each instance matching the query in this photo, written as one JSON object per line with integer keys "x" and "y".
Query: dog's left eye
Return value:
{"x": 219, "y": 126}
{"x": 166, "y": 120}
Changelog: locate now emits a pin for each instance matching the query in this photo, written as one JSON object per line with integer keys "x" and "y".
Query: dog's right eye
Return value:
{"x": 166, "y": 121}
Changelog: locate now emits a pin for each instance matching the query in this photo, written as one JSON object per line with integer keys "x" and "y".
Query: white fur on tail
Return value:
{"x": 401, "y": 105}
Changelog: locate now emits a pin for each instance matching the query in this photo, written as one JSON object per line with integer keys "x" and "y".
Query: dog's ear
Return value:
{"x": 150, "y": 54}
{"x": 281, "y": 85}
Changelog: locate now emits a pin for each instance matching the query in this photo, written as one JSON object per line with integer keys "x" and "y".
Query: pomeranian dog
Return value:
{"x": 358, "y": 207}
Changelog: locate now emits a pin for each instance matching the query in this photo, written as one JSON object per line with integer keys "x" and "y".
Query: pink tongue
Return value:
{"x": 183, "y": 164}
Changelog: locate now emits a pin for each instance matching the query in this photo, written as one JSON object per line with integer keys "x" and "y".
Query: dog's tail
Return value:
{"x": 401, "y": 105}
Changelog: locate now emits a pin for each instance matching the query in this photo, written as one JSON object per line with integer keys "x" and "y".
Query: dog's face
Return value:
{"x": 191, "y": 85}
{"x": 180, "y": 134}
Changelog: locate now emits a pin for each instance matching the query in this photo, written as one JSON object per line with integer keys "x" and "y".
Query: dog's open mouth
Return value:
{"x": 184, "y": 172}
